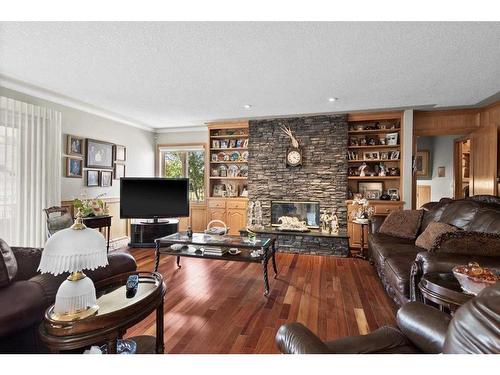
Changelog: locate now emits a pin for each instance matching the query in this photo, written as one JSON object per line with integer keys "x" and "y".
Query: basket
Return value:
{"x": 216, "y": 231}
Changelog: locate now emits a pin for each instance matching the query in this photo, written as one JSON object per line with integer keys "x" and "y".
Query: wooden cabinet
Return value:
{"x": 382, "y": 208}
{"x": 232, "y": 211}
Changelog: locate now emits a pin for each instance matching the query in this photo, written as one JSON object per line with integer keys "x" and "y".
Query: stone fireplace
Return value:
{"x": 322, "y": 177}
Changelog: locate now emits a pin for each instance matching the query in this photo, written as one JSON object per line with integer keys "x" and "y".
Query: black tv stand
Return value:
{"x": 144, "y": 233}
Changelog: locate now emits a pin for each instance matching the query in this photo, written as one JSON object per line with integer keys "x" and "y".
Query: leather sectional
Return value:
{"x": 400, "y": 264}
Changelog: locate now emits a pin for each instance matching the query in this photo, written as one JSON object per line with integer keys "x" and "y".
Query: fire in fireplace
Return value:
{"x": 304, "y": 211}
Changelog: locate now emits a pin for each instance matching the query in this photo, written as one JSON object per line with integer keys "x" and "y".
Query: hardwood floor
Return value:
{"x": 216, "y": 306}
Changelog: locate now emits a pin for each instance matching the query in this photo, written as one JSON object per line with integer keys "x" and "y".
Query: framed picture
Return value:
{"x": 106, "y": 178}
{"x": 372, "y": 155}
{"x": 392, "y": 139}
{"x": 99, "y": 154}
{"x": 215, "y": 143}
{"x": 422, "y": 164}
{"x": 223, "y": 144}
{"x": 373, "y": 194}
{"x": 245, "y": 143}
{"x": 74, "y": 167}
{"x": 218, "y": 190}
{"x": 384, "y": 155}
{"x": 214, "y": 157}
{"x": 393, "y": 193}
{"x": 441, "y": 172}
{"x": 119, "y": 171}
{"x": 232, "y": 143}
{"x": 119, "y": 153}
{"x": 239, "y": 143}
{"x": 394, "y": 155}
{"x": 92, "y": 177}
{"x": 75, "y": 145}
{"x": 369, "y": 190}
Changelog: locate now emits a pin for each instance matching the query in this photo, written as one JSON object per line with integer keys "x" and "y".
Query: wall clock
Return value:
{"x": 293, "y": 157}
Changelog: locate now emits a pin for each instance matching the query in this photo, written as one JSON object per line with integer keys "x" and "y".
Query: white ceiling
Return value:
{"x": 165, "y": 74}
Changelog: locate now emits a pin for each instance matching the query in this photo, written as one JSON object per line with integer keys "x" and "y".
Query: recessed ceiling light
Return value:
{"x": 331, "y": 100}
{"x": 247, "y": 106}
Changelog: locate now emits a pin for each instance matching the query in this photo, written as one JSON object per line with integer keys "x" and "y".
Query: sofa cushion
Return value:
{"x": 382, "y": 246}
{"x": 397, "y": 271}
{"x": 427, "y": 239}
{"x": 22, "y": 306}
{"x": 434, "y": 213}
{"x": 460, "y": 213}
{"x": 8, "y": 264}
{"x": 402, "y": 223}
{"x": 486, "y": 220}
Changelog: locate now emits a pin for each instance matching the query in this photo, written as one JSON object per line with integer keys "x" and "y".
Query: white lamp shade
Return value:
{"x": 72, "y": 250}
{"x": 74, "y": 296}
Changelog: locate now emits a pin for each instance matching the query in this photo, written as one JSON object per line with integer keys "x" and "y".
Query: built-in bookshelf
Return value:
{"x": 228, "y": 160}
{"x": 374, "y": 155}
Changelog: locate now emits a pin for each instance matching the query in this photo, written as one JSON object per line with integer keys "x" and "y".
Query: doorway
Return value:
{"x": 463, "y": 164}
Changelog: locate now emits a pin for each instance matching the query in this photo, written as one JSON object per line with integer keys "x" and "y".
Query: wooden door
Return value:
{"x": 217, "y": 214}
{"x": 423, "y": 195}
{"x": 484, "y": 153}
{"x": 236, "y": 220}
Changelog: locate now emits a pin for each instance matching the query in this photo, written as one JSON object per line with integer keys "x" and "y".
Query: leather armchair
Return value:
{"x": 25, "y": 299}
{"x": 420, "y": 329}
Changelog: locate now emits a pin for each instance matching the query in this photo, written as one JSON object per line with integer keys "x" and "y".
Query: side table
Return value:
{"x": 99, "y": 222}
{"x": 444, "y": 290}
{"x": 116, "y": 314}
{"x": 362, "y": 225}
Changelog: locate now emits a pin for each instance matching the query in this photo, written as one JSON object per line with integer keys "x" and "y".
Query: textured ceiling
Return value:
{"x": 179, "y": 74}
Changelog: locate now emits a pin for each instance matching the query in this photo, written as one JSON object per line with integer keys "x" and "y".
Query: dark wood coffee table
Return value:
{"x": 116, "y": 314}
{"x": 444, "y": 290}
{"x": 266, "y": 247}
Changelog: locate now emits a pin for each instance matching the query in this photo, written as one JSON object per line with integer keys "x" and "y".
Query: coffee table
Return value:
{"x": 265, "y": 247}
{"x": 444, "y": 290}
{"x": 116, "y": 314}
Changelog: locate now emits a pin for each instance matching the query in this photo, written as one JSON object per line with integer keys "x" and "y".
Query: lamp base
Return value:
{"x": 77, "y": 315}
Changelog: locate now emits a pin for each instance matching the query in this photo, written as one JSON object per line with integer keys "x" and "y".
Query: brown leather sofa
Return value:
{"x": 401, "y": 264}
{"x": 420, "y": 329}
{"x": 24, "y": 299}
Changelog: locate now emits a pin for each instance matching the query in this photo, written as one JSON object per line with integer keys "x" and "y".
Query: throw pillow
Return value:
{"x": 8, "y": 264}
{"x": 402, "y": 224}
{"x": 431, "y": 233}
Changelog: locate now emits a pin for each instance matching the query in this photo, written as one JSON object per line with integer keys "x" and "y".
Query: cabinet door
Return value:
{"x": 354, "y": 231}
{"x": 236, "y": 220}
{"x": 217, "y": 214}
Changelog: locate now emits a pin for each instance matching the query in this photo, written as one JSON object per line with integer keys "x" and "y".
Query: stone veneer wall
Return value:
{"x": 322, "y": 176}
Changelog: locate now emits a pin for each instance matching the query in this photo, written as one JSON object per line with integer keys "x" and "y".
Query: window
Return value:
{"x": 185, "y": 161}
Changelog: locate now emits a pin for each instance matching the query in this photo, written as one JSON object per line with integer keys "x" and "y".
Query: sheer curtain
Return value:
{"x": 30, "y": 170}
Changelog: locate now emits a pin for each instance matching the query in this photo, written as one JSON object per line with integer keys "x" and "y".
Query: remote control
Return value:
{"x": 132, "y": 284}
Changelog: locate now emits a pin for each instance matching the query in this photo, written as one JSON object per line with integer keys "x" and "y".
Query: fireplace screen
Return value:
{"x": 304, "y": 211}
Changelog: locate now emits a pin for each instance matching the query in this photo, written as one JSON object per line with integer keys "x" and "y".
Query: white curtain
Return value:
{"x": 30, "y": 170}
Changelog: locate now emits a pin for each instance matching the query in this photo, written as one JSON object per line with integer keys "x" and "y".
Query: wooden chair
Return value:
{"x": 58, "y": 218}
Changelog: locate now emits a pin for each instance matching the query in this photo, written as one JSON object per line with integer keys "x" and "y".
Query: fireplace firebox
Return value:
{"x": 304, "y": 211}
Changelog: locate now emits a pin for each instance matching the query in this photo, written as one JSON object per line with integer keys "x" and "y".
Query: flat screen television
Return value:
{"x": 153, "y": 198}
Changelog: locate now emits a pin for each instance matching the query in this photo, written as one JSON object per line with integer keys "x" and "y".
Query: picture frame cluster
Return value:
{"x": 100, "y": 161}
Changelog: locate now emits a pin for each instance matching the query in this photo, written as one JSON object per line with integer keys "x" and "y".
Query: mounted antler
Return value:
{"x": 288, "y": 132}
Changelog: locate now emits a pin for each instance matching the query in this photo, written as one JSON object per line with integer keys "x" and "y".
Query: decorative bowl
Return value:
{"x": 471, "y": 283}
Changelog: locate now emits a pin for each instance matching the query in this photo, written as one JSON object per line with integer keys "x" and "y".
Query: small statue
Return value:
{"x": 334, "y": 224}
{"x": 325, "y": 220}
{"x": 382, "y": 172}
{"x": 361, "y": 169}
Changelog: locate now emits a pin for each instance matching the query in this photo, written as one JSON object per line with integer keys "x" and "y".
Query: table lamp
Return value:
{"x": 73, "y": 250}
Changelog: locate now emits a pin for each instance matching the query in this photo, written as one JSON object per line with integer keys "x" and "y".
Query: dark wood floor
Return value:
{"x": 216, "y": 306}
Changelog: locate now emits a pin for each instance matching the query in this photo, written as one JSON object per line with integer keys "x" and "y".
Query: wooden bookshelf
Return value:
{"x": 368, "y": 143}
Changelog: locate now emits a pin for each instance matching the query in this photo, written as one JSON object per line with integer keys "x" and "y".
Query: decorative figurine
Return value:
{"x": 382, "y": 172}
{"x": 361, "y": 169}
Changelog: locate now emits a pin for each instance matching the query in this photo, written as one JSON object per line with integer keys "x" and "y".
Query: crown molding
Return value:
{"x": 51, "y": 96}
{"x": 182, "y": 129}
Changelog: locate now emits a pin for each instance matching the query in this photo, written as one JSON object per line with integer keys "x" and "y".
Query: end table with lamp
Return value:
{"x": 76, "y": 319}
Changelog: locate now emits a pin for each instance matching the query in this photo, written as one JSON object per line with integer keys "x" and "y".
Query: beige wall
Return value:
{"x": 140, "y": 144}
{"x": 199, "y": 136}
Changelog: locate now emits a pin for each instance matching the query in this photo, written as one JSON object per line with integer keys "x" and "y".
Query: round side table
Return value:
{"x": 444, "y": 290}
{"x": 116, "y": 314}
